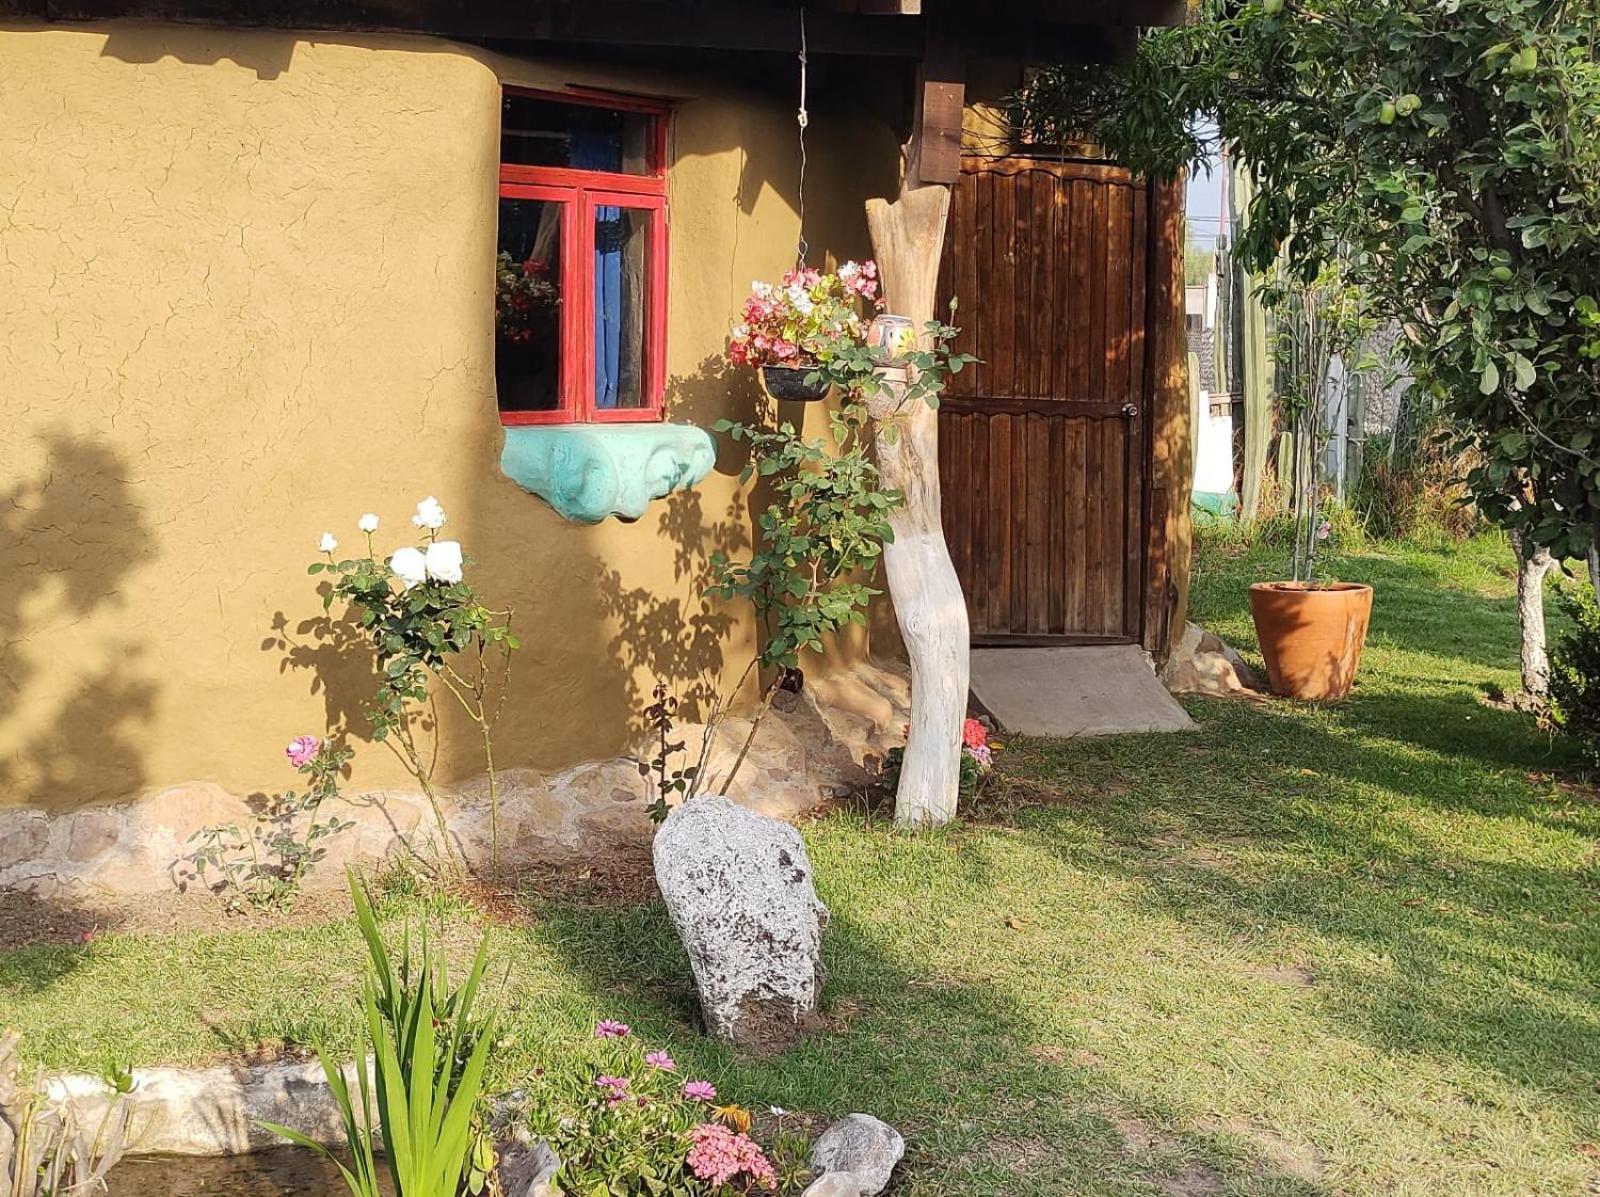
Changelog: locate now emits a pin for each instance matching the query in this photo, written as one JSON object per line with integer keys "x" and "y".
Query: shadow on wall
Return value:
{"x": 268, "y": 55}
{"x": 70, "y": 537}
{"x": 336, "y": 656}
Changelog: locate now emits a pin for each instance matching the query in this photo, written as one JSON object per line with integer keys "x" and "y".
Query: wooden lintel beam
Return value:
{"x": 602, "y": 23}
{"x": 1029, "y": 36}
{"x": 941, "y": 103}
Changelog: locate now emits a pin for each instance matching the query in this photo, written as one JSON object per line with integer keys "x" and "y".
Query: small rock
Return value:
{"x": 856, "y": 1156}
{"x": 738, "y": 886}
{"x": 1202, "y": 663}
{"x": 527, "y": 1170}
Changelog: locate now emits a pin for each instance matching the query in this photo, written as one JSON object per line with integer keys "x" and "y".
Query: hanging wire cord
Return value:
{"x": 803, "y": 118}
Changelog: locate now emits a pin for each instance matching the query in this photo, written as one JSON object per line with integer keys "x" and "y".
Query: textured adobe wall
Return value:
{"x": 246, "y": 294}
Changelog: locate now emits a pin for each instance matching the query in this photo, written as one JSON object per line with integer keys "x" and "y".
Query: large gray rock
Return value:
{"x": 856, "y": 1156}
{"x": 739, "y": 888}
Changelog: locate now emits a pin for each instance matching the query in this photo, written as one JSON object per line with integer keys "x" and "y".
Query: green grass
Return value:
{"x": 1343, "y": 950}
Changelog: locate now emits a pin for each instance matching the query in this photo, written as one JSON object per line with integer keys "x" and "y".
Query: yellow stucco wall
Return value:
{"x": 246, "y": 294}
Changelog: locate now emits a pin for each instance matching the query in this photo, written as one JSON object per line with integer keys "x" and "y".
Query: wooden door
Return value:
{"x": 1042, "y": 452}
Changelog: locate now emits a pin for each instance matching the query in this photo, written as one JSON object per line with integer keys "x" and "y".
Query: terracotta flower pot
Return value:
{"x": 1311, "y": 635}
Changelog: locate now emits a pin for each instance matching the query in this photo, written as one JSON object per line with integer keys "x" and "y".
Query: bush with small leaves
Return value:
{"x": 1575, "y": 672}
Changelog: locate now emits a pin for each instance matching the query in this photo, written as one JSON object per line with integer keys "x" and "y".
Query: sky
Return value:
{"x": 1205, "y": 205}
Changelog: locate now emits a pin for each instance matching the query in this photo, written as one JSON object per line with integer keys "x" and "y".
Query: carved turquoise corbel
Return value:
{"x": 590, "y": 471}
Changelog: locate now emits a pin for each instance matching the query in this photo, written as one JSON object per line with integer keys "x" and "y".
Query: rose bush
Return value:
{"x": 265, "y": 866}
{"x": 427, "y": 629}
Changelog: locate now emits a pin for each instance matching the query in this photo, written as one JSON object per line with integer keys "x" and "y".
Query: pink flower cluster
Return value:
{"x": 975, "y": 742}
{"x": 795, "y": 322}
{"x": 720, "y": 1156}
{"x": 616, "y": 1088}
{"x": 610, "y": 1028}
{"x": 302, "y": 750}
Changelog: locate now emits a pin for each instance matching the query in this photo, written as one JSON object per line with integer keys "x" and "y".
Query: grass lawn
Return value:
{"x": 1301, "y": 951}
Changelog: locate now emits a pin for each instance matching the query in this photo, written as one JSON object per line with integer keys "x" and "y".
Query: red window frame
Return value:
{"x": 580, "y": 192}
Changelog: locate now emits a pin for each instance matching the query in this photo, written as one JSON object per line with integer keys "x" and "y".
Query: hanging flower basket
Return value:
{"x": 790, "y": 384}
{"x": 785, "y": 328}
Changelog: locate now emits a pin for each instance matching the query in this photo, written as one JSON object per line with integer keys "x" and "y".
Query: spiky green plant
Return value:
{"x": 1255, "y": 381}
{"x": 46, "y": 1147}
{"x": 429, "y": 1053}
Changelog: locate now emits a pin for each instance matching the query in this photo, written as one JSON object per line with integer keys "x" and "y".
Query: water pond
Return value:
{"x": 277, "y": 1173}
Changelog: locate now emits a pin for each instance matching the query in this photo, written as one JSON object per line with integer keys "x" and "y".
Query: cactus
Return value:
{"x": 45, "y": 1150}
{"x": 1197, "y": 408}
{"x": 1256, "y": 372}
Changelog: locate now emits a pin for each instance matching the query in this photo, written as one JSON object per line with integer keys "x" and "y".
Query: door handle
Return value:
{"x": 1130, "y": 410}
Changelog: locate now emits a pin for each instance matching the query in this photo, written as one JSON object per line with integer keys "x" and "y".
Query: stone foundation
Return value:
{"x": 832, "y": 740}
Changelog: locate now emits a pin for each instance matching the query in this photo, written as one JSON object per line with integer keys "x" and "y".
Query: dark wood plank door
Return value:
{"x": 1042, "y": 454}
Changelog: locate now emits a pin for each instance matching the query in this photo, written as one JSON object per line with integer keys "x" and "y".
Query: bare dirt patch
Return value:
{"x": 1299, "y": 1160}
{"x": 28, "y": 919}
{"x": 1196, "y": 1180}
{"x": 621, "y": 875}
{"x": 1292, "y": 976}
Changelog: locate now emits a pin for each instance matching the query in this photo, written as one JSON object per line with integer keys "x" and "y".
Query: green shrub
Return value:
{"x": 625, "y": 1123}
{"x": 1414, "y": 489}
{"x": 1575, "y": 671}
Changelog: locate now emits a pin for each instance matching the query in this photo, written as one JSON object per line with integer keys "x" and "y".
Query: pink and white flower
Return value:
{"x": 302, "y": 750}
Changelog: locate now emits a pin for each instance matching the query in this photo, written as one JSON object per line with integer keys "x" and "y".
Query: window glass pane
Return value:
{"x": 538, "y": 132}
{"x": 527, "y": 306}
{"x": 621, "y": 293}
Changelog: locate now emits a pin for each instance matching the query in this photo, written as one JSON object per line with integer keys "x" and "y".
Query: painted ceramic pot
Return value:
{"x": 891, "y": 339}
{"x": 789, "y": 384}
{"x": 1311, "y": 635}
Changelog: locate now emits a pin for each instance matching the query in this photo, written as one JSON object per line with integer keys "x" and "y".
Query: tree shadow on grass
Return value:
{"x": 1459, "y": 901}
{"x": 989, "y": 1101}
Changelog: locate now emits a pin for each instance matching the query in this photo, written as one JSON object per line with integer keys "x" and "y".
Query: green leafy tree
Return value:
{"x": 1447, "y": 153}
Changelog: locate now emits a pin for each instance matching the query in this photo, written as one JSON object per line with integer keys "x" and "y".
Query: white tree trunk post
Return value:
{"x": 1531, "y": 570}
{"x": 907, "y": 240}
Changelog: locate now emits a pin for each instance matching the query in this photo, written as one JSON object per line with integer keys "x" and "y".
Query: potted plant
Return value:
{"x": 1311, "y": 631}
{"x": 791, "y": 330}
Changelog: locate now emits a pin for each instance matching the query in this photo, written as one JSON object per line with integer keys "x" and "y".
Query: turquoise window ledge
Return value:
{"x": 590, "y": 471}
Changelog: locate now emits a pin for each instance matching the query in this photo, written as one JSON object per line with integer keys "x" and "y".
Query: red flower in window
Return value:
{"x": 526, "y": 300}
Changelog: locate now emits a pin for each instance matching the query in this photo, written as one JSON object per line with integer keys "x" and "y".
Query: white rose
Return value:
{"x": 409, "y": 566}
{"x": 429, "y": 514}
{"x": 368, "y": 523}
{"x": 443, "y": 561}
{"x": 327, "y": 544}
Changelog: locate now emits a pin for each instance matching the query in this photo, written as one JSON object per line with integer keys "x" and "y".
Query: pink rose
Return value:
{"x": 302, "y": 750}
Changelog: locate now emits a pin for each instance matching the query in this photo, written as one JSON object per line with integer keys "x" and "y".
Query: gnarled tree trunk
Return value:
{"x": 907, "y": 240}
